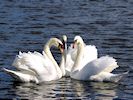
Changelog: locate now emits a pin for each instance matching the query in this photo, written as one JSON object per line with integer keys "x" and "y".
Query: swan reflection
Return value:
{"x": 67, "y": 88}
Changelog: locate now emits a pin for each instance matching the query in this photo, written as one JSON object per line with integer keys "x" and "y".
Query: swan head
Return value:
{"x": 57, "y": 43}
{"x": 64, "y": 41}
{"x": 64, "y": 37}
{"x": 77, "y": 41}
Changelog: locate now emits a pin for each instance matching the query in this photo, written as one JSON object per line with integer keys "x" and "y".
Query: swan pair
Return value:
{"x": 79, "y": 62}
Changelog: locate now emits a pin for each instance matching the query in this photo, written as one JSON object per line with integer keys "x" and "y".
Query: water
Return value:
{"x": 26, "y": 25}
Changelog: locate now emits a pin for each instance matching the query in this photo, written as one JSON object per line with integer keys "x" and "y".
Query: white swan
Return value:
{"x": 98, "y": 70}
{"x": 38, "y": 67}
{"x": 90, "y": 53}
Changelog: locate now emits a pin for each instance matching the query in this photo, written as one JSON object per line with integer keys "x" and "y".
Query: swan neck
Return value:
{"x": 79, "y": 58}
{"x": 50, "y": 56}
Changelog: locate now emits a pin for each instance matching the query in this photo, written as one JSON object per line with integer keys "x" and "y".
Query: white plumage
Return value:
{"x": 97, "y": 69}
{"x": 37, "y": 67}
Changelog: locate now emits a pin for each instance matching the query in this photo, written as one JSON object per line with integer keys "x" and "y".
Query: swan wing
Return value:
{"x": 90, "y": 54}
{"x": 102, "y": 64}
{"x": 110, "y": 65}
{"x": 35, "y": 62}
{"x": 105, "y": 63}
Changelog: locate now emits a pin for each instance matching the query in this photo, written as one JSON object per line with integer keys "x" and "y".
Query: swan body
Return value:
{"x": 97, "y": 70}
{"x": 37, "y": 67}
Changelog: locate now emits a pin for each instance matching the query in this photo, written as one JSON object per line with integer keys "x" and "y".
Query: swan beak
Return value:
{"x": 61, "y": 48}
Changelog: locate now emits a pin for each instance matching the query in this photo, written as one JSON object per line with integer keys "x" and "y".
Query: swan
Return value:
{"x": 96, "y": 70}
{"x": 90, "y": 53}
{"x": 37, "y": 67}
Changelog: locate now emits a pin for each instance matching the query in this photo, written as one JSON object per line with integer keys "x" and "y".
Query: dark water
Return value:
{"x": 26, "y": 25}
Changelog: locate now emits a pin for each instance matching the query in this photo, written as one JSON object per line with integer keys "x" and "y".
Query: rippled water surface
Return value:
{"x": 26, "y": 25}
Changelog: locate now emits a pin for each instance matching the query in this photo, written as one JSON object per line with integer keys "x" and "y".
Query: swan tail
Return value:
{"x": 19, "y": 76}
{"x": 14, "y": 74}
{"x": 108, "y": 77}
{"x": 118, "y": 77}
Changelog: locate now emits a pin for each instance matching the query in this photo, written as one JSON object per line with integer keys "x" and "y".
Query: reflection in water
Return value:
{"x": 97, "y": 90}
{"x": 73, "y": 90}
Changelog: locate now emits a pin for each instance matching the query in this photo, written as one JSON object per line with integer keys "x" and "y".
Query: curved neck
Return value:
{"x": 79, "y": 57}
{"x": 50, "y": 56}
